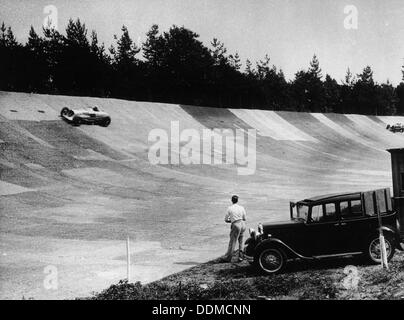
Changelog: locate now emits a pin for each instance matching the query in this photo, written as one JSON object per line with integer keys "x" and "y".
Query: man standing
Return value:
{"x": 236, "y": 215}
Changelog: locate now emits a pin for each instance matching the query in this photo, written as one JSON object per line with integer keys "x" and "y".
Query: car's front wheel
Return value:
{"x": 373, "y": 253}
{"x": 270, "y": 260}
{"x": 106, "y": 122}
{"x": 64, "y": 112}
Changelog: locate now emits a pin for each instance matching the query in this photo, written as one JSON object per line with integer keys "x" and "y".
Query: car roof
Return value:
{"x": 395, "y": 150}
{"x": 332, "y": 197}
{"x": 85, "y": 108}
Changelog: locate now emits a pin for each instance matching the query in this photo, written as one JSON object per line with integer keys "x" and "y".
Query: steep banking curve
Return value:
{"x": 69, "y": 196}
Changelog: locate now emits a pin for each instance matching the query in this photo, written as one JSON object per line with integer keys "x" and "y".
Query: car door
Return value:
{"x": 353, "y": 226}
{"x": 323, "y": 229}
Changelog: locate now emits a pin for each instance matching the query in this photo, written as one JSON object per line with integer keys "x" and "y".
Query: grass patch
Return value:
{"x": 276, "y": 287}
{"x": 228, "y": 281}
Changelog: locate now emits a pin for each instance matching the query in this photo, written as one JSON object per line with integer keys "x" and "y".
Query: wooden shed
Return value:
{"x": 397, "y": 166}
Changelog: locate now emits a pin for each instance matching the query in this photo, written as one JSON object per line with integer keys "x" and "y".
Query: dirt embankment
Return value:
{"x": 345, "y": 278}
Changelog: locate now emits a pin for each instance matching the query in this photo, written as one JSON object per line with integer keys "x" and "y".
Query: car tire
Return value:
{"x": 270, "y": 260}
{"x": 64, "y": 111}
{"x": 372, "y": 253}
{"x": 106, "y": 122}
{"x": 76, "y": 121}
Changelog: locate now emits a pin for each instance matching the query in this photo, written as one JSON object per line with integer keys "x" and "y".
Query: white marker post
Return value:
{"x": 383, "y": 251}
{"x": 382, "y": 243}
{"x": 128, "y": 259}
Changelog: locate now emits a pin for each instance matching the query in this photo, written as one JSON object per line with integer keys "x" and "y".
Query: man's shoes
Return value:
{"x": 241, "y": 256}
{"x": 226, "y": 260}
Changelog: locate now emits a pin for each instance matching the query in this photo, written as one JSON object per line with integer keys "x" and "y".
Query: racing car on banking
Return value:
{"x": 398, "y": 127}
{"x": 89, "y": 115}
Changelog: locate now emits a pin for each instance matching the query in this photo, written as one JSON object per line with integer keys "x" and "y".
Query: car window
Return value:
{"x": 344, "y": 209}
{"x": 302, "y": 211}
{"x": 402, "y": 181}
{"x": 317, "y": 213}
{"x": 330, "y": 212}
{"x": 356, "y": 208}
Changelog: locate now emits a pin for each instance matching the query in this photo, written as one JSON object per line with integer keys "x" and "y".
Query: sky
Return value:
{"x": 289, "y": 31}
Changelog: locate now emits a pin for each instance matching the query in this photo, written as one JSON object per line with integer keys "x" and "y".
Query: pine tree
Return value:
{"x": 349, "y": 78}
{"x": 76, "y": 33}
{"x": 248, "y": 67}
{"x": 7, "y": 38}
{"x": 365, "y": 93}
{"x": 332, "y": 95}
{"x": 387, "y": 99}
{"x": 100, "y": 67}
{"x": 126, "y": 49}
{"x": 235, "y": 61}
{"x": 94, "y": 43}
{"x": 152, "y": 47}
{"x": 186, "y": 62}
{"x": 13, "y": 61}
{"x": 38, "y": 70}
{"x": 400, "y": 95}
{"x": 314, "y": 68}
{"x": 3, "y": 35}
{"x": 274, "y": 89}
{"x": 34, "y": 43}
{"x": 314, "y": 88}
{"x": 263, "y": 67}
{"x": 125, "y": 66}
{"x": 98, "y": 49}
{"x": 366, "y": 76}
{"x": 402, "y": 71}
{"x": 218, "y": 52}
{"x": 347, "y": 104}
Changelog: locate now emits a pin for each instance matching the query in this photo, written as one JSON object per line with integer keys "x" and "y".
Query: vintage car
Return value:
{"x": 398, "y": 127}
{"x": 86, "y": 116}
{"x": 327, "y": 226}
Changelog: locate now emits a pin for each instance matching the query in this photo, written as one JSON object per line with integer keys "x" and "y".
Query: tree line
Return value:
{"x": 174, "y": 66}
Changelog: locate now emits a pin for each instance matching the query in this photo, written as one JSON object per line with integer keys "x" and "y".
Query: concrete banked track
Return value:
{"x": 69, "y": 196}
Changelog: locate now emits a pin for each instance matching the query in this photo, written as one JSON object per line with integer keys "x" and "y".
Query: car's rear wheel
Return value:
{"x": 373, "y": 253}
{"x": 64, "y": 112}
{"x": 270, "y": 260}
{"x": 106, "y": 122}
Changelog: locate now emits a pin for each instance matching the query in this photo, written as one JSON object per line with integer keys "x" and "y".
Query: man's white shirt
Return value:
{"x": 235, "y": 212}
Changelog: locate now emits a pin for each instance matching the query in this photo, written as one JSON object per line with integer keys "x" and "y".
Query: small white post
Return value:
{"x": 383, "y": 251}
{"x": 382, "y": 243}
{"x": 128, "y": 259}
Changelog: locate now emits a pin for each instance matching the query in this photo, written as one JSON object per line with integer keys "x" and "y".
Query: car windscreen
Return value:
{"x": 302, "y": 211}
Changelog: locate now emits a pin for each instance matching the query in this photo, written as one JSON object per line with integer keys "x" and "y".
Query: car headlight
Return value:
{"x": 253, "y": 234}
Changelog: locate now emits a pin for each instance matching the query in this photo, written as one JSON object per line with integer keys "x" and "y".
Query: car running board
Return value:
{"x": 338, "y": 255}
